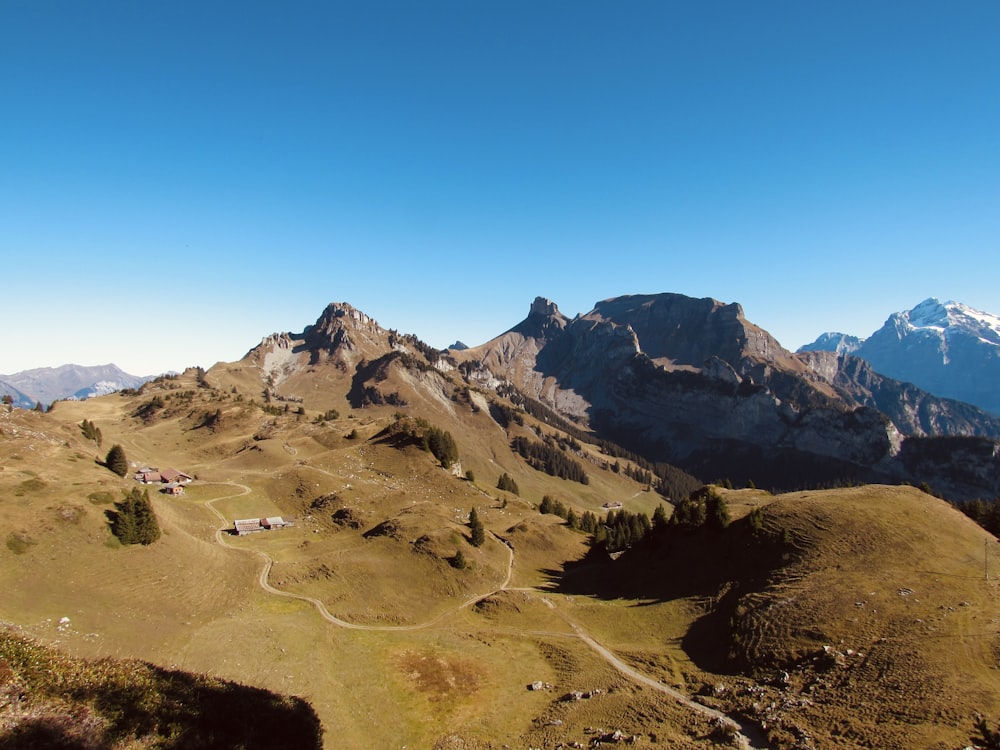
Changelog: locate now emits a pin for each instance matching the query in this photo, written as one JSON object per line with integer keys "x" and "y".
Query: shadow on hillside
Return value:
{"x": 711, "y": 569}
{"x": 110, "y": 703}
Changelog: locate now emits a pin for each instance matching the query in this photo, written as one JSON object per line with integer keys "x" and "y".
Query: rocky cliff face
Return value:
{"x": 914, "y": 411}
{"x": 692, "y": 382}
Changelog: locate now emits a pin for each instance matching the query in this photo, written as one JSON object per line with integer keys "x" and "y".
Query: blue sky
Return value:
{"x": 179, "y": 179}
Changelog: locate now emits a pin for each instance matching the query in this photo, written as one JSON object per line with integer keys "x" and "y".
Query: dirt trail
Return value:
{"x": 746, "y": 736}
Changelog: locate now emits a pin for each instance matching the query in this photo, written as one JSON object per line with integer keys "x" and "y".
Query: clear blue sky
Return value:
{"x": 179, "y": 179}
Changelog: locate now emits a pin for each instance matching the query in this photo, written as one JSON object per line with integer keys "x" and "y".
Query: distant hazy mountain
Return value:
{"x": 20, "y": 400}
{"x": 948, "y": 349}
{"x": 48, "y": 384}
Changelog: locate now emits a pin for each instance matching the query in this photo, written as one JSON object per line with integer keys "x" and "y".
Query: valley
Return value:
{"x": 859, "y": 616}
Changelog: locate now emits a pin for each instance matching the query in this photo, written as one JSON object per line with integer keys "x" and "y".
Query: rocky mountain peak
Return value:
{"x": 544, "y": 320}
{"x": 947, "y": 348}
{"x": 690, "y": 331}
{"x": 339, "y": 327}
{"x": 833, "y": 341}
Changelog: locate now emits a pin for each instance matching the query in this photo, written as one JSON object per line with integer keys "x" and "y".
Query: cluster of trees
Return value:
{"x": 430, "y": 353}
{"x": 133, "y": 520}
{"x": 91, "y": 432}
{"x": 441, "y": 445}
{"x": 147, "y": 411}
{"x": 549, "y": 458}
{"x": 703, "y": 508}
{"x": 505, "y": 415}
{"x": 622, "y": 530}
{"x": 986, "y": 514}
{"x": 507, "y": 484}
{"x": 586, "y": 521}
{"x": 328, "y": 416}
{"x": 643, "y": 476}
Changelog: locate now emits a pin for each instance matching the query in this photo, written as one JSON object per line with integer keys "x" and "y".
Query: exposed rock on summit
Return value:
{"x": 692, "y": 382}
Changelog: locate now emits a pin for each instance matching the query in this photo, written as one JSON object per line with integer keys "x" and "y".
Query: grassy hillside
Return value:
{"x": 50, "y": 700}
{"x": 359, "y": 609}
{"x": 855, "y": 617}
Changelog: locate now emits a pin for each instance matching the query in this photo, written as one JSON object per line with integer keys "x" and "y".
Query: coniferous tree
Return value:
{"x": 146, "y": 524}
{"x": 478, "y": 531}
{"x": 572, "y": 520}
{"x": 441, "y": 445}
{"x": 660, "y": 519}
{"x": 507, "y": 484}
{"x": 123, "y": 521}
{"x": 116, "y": 460}
{"x": 91, "y": 431}
{"x": 716, "y": 511}
{"x": 133, "y": 520}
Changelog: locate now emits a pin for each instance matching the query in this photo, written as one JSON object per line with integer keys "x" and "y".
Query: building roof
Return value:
{"x": 172, "y": 475}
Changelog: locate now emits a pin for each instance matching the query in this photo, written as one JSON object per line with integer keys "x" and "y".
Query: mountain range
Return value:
{"x": 832, "y": 617}
{"x": 689, "y": 382}
{"x": 948, "y": 349}
{"x": 693, "y": 383}
{"x": 44, "y": 385}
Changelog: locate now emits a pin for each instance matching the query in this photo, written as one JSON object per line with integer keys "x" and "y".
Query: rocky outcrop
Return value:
{"x": 345, "y": 330}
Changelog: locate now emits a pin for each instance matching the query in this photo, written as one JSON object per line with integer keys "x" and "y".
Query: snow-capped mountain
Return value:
{"x": 48, "y": 384}
{"x": 841, "y": 343}
{"x": 949, "y": 349}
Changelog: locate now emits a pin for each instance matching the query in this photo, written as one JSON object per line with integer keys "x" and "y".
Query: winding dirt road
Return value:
{"x": 747, "y": 736}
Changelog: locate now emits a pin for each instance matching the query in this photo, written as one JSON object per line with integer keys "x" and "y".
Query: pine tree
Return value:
{"x": 660, "y": 519}
{"x": 716, "y": 511}
{"x": 458, "y": 561}
{"x": 507, "y": 484}
{"x": 146, "y": 524}
{"x": 133, "y": 520}
{"x": 478, "y": 531}
{"x": 123, "y": 521}
{"x": 116, "y": 460}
